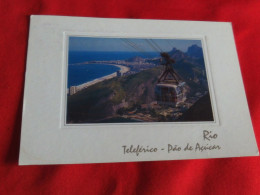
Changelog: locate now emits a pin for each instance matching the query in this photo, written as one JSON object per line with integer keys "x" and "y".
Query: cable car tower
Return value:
{"x": 168, "y": 70}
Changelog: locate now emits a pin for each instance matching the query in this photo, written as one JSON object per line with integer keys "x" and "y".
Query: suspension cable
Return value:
{"x": 168, "y": 44}
{"x": 151, "y": 45}
{"x": 156, "y": 45}
{"x": 136, "y": 47}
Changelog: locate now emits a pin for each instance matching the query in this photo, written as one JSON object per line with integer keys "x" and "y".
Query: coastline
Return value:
{"x": 123, "y": 69}
{"x": 74, "y": 89}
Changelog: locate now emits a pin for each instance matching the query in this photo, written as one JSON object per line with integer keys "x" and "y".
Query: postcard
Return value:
{"x": 116, "y": 80}
{"x": 120, "y": 90}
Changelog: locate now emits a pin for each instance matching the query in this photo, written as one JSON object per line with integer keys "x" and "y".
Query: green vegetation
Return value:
{"x": 102, "y": 99}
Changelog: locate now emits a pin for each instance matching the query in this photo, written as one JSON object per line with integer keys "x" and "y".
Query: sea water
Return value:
{"x": 84, "y": 56}
{"x": 79, "y": 74}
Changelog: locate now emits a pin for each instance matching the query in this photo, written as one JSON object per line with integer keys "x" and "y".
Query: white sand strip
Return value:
{"x": 123, "y": 69}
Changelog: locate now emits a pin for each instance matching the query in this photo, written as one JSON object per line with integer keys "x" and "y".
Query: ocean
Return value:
{"x": 79, "y": 74}
{"x": 81, "y": 56}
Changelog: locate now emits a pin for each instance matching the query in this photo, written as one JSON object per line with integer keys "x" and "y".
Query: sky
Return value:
{"x": 129, "y": 44}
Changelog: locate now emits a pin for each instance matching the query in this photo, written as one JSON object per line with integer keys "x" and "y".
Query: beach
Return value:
{"x": 123, "y": 69}
{"x": 74, "y": 89}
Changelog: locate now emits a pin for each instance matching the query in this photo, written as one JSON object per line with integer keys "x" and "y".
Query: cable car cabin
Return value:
{"x": 170, "y": 89}
{"x": 170, "y": 94}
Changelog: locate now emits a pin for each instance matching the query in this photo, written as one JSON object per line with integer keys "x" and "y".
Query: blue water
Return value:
{"x": 81, "y": 56}
{"x": 79, "y": 74}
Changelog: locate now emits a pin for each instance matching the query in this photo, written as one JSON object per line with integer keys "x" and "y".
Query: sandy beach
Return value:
{"x": 123, "y": 69}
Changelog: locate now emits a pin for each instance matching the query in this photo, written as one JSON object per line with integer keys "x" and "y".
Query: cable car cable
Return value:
{"x": 136, "y": 47}
{"x": 150, "y": 44}
{"x": 153, "y": 41}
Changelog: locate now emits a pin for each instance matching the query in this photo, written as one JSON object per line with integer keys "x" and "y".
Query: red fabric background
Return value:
{"x": 215, "y": 176}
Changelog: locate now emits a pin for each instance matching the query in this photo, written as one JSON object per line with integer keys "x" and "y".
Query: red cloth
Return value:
{"x": 215, "y": 176}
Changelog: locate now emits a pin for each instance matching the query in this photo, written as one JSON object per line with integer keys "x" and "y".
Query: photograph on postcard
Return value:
{"x": 126, "y": 80}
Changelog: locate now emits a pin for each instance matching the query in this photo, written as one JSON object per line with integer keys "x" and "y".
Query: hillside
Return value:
{"x": 200, "y": 111}
{"x": 105, "y": 98}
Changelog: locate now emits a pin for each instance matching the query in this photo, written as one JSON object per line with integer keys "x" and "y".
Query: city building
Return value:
{"x": 73, "y": 90}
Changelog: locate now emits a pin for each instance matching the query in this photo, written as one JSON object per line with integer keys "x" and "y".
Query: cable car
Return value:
{"x": 170, "y": 89}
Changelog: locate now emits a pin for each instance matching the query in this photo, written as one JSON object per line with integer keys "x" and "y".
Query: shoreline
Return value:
{"x": 74, "y": 89}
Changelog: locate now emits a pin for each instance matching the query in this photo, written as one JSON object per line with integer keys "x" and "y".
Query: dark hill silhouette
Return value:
{"x": 200, "y": 111}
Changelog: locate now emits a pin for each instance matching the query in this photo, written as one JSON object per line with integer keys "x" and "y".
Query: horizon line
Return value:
{"x": 132, "y": 51}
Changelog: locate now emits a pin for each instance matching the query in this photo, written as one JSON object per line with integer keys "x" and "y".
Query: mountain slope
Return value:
{"x": 195, "y": 51}
{"x": 105, "y": 98}
{"x": 200, "y": 111}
